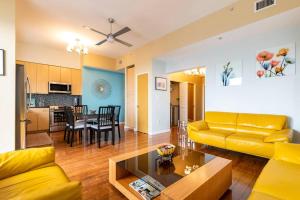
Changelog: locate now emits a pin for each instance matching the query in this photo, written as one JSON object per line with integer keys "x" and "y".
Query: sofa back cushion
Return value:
{"x": 262, "y": 124}
{"x": 221, "y": 120}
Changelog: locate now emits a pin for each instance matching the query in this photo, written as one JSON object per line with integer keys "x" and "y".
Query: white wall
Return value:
{"x": 46, "y": 55}
{"x": 273, "y": 95}
{"x": 159, "y": 108}
{"x": 7, "y": 82}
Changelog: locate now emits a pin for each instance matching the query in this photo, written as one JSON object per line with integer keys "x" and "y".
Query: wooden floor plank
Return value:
{"x": 90, "y": 164}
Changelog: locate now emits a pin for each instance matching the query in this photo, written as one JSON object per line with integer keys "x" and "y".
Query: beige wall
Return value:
{"x": 46, "y": 55}
{"x": 98, "y": 61}
{"x": 7, "y": 82}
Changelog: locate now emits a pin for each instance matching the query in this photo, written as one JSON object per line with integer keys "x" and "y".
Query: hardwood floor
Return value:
{"x": 90, "y": 164}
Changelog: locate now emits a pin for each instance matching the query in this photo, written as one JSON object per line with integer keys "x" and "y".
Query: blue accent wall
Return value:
{"x": 117, "y": 82}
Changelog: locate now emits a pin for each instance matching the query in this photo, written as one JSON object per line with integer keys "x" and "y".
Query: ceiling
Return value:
{"x": 212, "y": 50}
{"x": 54, "y": 23}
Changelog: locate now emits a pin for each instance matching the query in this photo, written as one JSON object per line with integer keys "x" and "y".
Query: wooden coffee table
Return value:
{"x": 209, "y": 181}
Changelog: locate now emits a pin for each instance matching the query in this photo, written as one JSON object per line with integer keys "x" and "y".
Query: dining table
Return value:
{"x": 91, "y": 119}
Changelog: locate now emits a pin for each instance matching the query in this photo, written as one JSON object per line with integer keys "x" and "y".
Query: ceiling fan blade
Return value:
{"x": 92, "y": 29}
{"x": 122, "y": 42}
{"x": 122, "y": 31}
{"x": 101, "y": 42}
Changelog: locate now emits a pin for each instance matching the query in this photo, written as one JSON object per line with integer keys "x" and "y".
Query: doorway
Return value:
{"x": 142, "y": 104}
{"x": 187, "y": 94}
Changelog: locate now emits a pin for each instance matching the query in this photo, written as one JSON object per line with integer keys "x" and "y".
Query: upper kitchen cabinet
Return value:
{"x": 31, "y": 71}
{"x": 65, "y": 75}
{"x": 76, "y": 82}
{"x": 54, "y": 74}
{"x": 42, "y": 79}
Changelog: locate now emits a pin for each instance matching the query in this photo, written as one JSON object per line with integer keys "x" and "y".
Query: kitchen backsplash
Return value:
{"x": 41, "y": 100}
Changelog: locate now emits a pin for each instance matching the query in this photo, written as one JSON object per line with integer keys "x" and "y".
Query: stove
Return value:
{"x": 57, "y": 118}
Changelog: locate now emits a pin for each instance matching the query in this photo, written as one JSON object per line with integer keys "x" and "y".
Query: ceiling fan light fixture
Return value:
{"x": 110, "y": 39}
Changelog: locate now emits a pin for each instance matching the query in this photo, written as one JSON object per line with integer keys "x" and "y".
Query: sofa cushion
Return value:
{"x": 211, "y": 137}
{"x": 287, "y": 152}
{"x": 221, "y": 120}
{"x": 48, "y": 177}
{"x": 279, "y": 179}
{"x": 261, "y": 121}
{"x": 249, "y": 143}
{"x": 16, "y": 162}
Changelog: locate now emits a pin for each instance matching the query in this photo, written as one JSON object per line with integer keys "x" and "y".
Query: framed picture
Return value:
{"x": 276, "y": 62}
{"x": 230, "y": 73}
{"x": 160, "y": 83}
{"x": 2, "y": 62}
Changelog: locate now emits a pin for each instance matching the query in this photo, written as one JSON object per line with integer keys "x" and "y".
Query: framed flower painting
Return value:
{"x": 229, "y": 73}
{"x": 276, "y": 62}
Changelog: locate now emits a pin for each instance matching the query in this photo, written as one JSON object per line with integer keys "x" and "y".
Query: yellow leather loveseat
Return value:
{"x": 280, "y": 178}
{"x": 247, "y": 133}
{"x": 32, "y": 174}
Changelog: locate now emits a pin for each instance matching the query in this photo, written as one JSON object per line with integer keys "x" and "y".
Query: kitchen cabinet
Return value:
{"x": 32, "y": 117}
{"x": 39, "y": 118}
{"x": 54, "y": 74}
{"x": 65, "y": 75}
{"x": 42, "y": 79}
{"x": 41, "y": 74}
{"x": 31, "y": 71}
{"x": 76, "y": 82}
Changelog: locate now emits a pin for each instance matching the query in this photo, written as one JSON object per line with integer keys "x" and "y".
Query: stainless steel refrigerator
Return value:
{"x": 23, "y": 96}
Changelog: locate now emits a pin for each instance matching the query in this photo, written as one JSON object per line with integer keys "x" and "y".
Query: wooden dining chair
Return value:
{"x": 81, "y": 109}
{"x": 105, "y": 123}
{"x": 73, "y": 127}
{"x": 117, "y": 111}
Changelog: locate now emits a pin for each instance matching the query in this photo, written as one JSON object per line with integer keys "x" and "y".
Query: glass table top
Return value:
{"x": 185, "y": 161}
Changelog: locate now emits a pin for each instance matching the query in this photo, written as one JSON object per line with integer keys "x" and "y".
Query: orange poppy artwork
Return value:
{"x": 276, "y": 62}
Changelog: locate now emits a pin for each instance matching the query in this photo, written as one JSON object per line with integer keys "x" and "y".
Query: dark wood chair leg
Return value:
{"x": 72, "y": 137}
{"x": 68, "y": 136}
{"x": 119, "y": 131}
{"x": 99, "y": 138}
{"x": 113, "y": 136}
{"x": 65, "y": 134}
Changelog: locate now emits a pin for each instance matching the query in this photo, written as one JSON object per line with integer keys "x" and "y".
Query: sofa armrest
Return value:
{"x": 17, "y": 162}
{"x": 198, "y": 125}
{"x": 287, "y": 152}
{"x": 284, "y": 135}
{"x": 66, "y": 191}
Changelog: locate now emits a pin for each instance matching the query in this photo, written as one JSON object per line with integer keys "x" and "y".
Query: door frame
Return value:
{"x": 136, "y": 100}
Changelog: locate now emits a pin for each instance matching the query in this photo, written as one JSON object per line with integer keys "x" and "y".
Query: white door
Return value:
{"x": 183, "y": 101}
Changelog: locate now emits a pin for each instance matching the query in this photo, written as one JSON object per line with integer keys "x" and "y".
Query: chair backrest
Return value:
{"x": 106, "y": 116}
{"x": 69, "y": 117}
{"x": 82, "y": 109}
{"x": 117, "y": 112}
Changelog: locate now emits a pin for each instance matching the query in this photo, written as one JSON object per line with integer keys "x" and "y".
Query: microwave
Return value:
{"x": 62, "y": 88}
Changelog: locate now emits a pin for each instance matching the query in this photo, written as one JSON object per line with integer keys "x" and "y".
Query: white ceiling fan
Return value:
{"x": 111, "y": 37}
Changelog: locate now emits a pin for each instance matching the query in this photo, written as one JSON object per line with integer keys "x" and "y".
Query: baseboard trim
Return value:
{"x": 160, "y": 132}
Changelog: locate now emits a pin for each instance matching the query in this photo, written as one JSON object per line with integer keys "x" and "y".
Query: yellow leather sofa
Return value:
{"x": 247, "y": 133}
{"x": 32, "y": 174}
{"x": 280, "y": 178}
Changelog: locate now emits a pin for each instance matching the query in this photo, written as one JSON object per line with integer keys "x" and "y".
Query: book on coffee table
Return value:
{"x": 148, "y": 190}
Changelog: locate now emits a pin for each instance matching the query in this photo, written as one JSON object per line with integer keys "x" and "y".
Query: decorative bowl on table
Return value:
{"x": 166, "y": 150}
